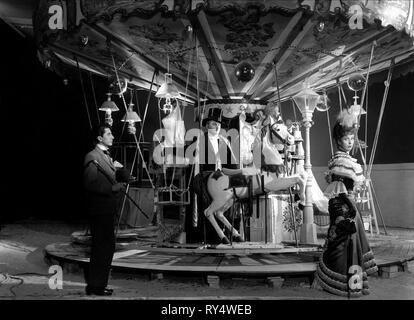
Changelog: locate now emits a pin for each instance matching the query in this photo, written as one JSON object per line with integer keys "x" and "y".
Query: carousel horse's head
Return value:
{"x": 273, "y": 121}
{"x": 281, "y": 132}
{"x": 275, "y": 136}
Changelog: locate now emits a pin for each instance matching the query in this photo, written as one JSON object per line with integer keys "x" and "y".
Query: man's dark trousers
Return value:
{"x": 102, "y": 250}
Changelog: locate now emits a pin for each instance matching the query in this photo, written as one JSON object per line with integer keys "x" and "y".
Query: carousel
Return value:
{"x": 267, "y": 66}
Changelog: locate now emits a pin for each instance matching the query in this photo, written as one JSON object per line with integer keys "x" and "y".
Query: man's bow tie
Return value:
{"x": 107, "y": 152}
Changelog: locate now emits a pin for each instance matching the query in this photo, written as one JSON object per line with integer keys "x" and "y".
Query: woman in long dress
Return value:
{"x": 348, "y": 259}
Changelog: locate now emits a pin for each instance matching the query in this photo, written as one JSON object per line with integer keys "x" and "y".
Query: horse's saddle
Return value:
{"x": 236, "y": 180}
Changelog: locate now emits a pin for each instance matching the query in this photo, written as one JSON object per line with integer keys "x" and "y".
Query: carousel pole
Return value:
{"x": 292, "y": 214}
{"x": 375, "y": 143}
{"x": 124, "y": 200}
{"x": 306, "y": 101}
{"x": 308, "y": 229}
{"x": 199, "y": 169}
{"x": 87, "y": 111}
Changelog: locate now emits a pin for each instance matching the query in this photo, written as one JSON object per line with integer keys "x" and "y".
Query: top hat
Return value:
{"x": 214, "y": 114}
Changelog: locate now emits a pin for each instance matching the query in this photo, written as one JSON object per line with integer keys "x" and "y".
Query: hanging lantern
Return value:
{"x": 306, "y": 101}
{"x": 108, "y": 106}
{"x": 131, "y": 117}
{"x": 118, "y": 87}
{"x": 244, "y": 72}
{"x": 356, "y": 82}
{"x": 322, "y": 104}
{"x": 169, "y": 92}
{"x": 356, "y": 109}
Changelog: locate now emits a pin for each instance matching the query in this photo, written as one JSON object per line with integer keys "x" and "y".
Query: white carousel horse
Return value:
{"x": 223, "y": 194}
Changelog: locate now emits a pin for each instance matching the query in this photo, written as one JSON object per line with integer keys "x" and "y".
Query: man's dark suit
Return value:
{"x": 207, "y": 166}
{"x": 209, "y": 158}
{"x": 102, "y": 205}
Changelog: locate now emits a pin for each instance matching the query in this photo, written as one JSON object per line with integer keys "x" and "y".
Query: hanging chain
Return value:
{"x": 330, "y": 132}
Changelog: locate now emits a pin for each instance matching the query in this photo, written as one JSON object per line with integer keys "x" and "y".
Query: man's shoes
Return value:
{"x": 109, "y": 289}
{"x": 98, "y": 291}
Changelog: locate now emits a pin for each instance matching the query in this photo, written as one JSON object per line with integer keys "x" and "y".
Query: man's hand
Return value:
{"x": 117, "y": 187}
{"x": 118, "y": 165}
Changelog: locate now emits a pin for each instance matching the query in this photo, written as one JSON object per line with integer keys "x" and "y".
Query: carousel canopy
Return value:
{"x": 220, "y": 50}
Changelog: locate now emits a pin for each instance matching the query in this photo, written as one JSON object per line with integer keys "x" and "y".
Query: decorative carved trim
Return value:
{"x": 232, "y": 108}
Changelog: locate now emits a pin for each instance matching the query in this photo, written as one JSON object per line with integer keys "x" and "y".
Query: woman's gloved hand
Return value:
{"x": 342, "y": 206}
{"x": 351, "y": 207}
{"x": 346, "y": 226}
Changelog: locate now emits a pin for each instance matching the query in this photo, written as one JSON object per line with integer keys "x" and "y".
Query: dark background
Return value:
{"x": 46, "y": 130}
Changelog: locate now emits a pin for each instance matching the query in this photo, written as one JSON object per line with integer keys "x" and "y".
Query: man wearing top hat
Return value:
{"x": 218, "y": 154}
{"x": 215, "y": 155}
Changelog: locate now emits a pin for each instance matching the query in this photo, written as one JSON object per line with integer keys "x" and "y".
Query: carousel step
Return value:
{"x": 275, "y": 282}
{"x": 388, "y": 271}
{"x": 408, "y": 266}
{"x": 213, "y": 281}
{"x": 156, "y": 276}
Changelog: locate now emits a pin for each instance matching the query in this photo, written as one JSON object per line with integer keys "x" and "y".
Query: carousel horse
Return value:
{"x": 262, "y": 160}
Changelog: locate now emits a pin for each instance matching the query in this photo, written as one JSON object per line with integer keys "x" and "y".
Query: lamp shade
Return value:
{"x": 131, "y": 115}
{"x": 306, "y": 100}
{"x": 168, "y": 89}
{"x": 108, "y": 105}
{"x": 357, "y": 110}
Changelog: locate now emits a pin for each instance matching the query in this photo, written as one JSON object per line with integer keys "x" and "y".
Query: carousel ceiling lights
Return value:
{"x": 118, "y": 85}
{"x": 131, "y": 117}
{"x": 244, "y": 72}
{"x": 108, "y": 106}
{"x": 169, "y": 92}
{"x": 306, "y": 100}
{"x": 322, "y": 104}
{"x": 356, "y": 83}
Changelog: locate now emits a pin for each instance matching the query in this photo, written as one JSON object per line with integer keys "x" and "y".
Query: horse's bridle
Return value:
{"x": 271, "y": 127}
{"x": 272, "y": 130}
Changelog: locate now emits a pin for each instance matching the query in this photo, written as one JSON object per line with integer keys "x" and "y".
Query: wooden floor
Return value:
{"x": 391, "y": 249}
{"x": 244, "y": 259}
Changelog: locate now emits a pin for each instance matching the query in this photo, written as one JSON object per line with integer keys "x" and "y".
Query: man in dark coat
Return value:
{"x": 215, "y": 155}
{"x": 102, "y": 201}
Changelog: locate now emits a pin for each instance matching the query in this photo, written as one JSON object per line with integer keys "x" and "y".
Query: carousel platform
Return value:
{"x": 393, "y": 253}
